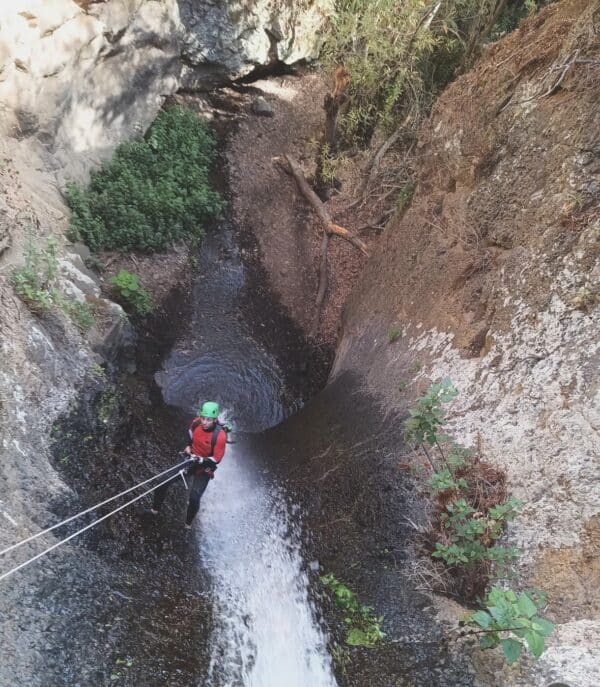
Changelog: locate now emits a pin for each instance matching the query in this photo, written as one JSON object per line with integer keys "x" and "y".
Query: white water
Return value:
{"x": 266, "y": 633}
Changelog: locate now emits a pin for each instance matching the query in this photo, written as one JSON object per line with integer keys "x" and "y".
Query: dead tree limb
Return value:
{"x": 332, "y": 105}
{"x": 553, "y": 88}
{"x": 373, "y": 167}
{"x": 328, "y": 225}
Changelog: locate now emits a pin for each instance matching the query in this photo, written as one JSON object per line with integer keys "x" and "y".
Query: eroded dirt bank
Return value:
{"x": 491, "y": 276}
{"x": 491, "y": 279}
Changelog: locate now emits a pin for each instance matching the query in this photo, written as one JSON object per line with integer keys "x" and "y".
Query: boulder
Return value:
{"x": 81, "y": 77}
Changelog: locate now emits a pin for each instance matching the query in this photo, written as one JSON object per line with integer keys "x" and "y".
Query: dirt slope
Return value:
{"x": 492, "y": 277}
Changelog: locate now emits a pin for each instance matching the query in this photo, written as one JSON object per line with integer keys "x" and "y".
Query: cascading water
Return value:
{"x": 266, "y": 633}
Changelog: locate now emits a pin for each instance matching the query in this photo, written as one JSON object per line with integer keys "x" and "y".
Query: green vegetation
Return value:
{"x": 120, "y": 672}
{"x": 81, "y": 314}
{"x": 511, "y": 17}
{"x": 394, "y": 334}
{"x": 469, "y": 534}
{"x": 35, "y": 283}
{"x": 401, "y": 55}
{"x": 108, "y": 405}
{"x": 404, "y": 197}
{"x": 469, "y": 517}
{"x": 508, "y": 620}
{"x": 153, "y": 192}
{"x": 363, "y": 628}
{"x": 417, "y": 366}
{"x": 132, "y": 294}
{"x": 329, "y": 165}
{"x": 97, "y": 372}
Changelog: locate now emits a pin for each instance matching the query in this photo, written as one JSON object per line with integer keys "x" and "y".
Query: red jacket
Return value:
{"x": 201, "y": 441}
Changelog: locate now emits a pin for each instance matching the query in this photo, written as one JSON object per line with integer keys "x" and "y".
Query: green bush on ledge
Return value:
{"x": 154, "y": 191}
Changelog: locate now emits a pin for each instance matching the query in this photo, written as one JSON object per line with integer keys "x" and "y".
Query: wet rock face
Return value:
{"x": 81, "y": 77}
{"x": 4, "y": 227}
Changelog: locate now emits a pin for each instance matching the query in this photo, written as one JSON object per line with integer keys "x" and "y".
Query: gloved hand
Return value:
{"x": 209, "y": 463}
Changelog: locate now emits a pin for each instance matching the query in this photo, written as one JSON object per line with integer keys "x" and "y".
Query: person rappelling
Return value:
{"x": 206, "y": 448}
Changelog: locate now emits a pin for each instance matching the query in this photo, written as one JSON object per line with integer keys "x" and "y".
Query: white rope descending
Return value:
{"x": 83, "y": 529}
{"x": 89, "y": 510}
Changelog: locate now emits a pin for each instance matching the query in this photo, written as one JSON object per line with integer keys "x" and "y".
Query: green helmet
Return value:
{"x": 209, "y": 409}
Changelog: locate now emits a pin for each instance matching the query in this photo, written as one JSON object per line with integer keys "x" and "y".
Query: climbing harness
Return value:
{"x": 93, "y": 524}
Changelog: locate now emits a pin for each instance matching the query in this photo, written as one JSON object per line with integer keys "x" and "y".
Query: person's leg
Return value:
{"x": 199, "y": 484}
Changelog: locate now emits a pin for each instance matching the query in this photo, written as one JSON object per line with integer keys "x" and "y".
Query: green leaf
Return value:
{"x": 356, "y": 637}
{"x": 483, "y": 619}
{"x": 526, "y": 605}
{"x": 535, "y": 642}
{"x": 501, "y": 614}
{"x": 488, "y": 641}
{"x": 511, "y": 649}
{"x": 542, "y": 626}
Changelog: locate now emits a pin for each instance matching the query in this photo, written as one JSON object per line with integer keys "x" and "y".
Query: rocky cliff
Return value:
{"x": 492, "y": 277}
{"x": 80, "y": 77}
{"x": 77, "y": 79}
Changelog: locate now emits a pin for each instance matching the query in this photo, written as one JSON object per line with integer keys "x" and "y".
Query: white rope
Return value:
{"x": 83, "y": 529}
{"x": 89, "y": 510}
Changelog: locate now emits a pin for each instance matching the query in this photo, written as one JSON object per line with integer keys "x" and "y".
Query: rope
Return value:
{"x": 88, "y": 510}
{"x": 83, "y": 529}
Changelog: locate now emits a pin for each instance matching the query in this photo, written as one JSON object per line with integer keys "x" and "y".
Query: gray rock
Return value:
{"x": 261, "y": 107}
{"x": 84, "y": 78}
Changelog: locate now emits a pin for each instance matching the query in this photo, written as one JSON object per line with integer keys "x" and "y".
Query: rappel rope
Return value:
{"x": 92, "y": 524}
{"x": 89, "y": 510}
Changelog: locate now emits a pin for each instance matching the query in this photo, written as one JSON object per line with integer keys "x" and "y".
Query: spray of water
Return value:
{"x": 266, "y": 633}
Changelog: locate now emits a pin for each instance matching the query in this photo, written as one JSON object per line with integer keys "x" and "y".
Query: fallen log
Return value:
{"x": 328, "y": 225}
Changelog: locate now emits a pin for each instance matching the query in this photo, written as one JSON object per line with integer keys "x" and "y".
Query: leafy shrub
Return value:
{"x": 504, "y": 614}
{"x": 364, "y": 629}
{"x": 445, "y": 480}
{"x": 133, "y": 295}
{"x": 404, "y": 197}
{"x": 80, "y": 313}
{"x": 428, "y": 415}
{"x": 470, "y": 534}
{"x": 394, "y": 334}
{"x": 401, "y": 55}
{"x": 153, "y": 192}
{"x": 34, "y": 281}
{"x": 514, "y": 12}
{"x": 35, "y": 284}
{"x": 470, "y": 515}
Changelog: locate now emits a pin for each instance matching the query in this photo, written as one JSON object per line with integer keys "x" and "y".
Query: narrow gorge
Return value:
{"x": 311, "y": 559}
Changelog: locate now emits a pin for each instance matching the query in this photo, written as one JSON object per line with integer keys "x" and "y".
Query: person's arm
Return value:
{"x": 188, "y": 448}
{"x": 220, "y": 444}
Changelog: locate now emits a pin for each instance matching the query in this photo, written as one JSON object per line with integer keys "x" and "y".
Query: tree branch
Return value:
{"x": 328, "y": 225}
